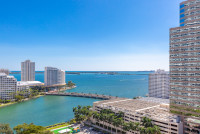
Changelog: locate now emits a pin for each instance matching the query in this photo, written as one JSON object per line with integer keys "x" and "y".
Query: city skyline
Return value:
{"x": 88, "y": 36}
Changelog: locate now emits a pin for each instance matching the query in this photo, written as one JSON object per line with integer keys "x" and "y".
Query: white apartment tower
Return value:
{"x": 159, "y": 84}
{"x": 8, "y": 85}
{"x": 54, "y": 76}
{"x": 28, "y": 71}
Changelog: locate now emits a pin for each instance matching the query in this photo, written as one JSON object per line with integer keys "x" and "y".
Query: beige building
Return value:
{"x": 54, "y": 76}
{"x": 159, "y": 84}
{"x": 27, "y": 71}
{"x": 8, "y": 85}
{"x": 135, "y": 109}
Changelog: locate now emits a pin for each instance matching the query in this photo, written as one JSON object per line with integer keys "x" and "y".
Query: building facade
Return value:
{"x": 159, "y": 84}
{"x": 27, "y": 71}
{"x": 6, "y": 71}
{"x": 54, "y": 76}
{"x": 26, "y": 85}
{"x": 185, "y": 67}
{"x": 134, "y": 110}
{"x": 8, "y": 86}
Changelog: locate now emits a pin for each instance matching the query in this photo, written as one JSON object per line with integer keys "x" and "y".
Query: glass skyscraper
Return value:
{"x": 185, "y": 67}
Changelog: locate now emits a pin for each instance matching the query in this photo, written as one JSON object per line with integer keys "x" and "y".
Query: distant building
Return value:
{"x": 54, "y": 76}
{"x": 159, "y": 84}
{"x": 26, "y": 85}
{"x": 6, "y": 71}
{"x": 28, "y": 71}
{"x": 8, "y": 85}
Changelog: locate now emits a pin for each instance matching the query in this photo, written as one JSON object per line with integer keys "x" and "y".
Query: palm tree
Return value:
{"x": 126, "y": 126}
{"x": 110, "y": 119}
{"x": 103, "y": 118}
{"x": 96, "y": 116}
{"x": 132, "y": 126}
{"x": 136, "y": 126}
{"x": 142, "y": 130}
{"x": 150, "y": 130}
{"x": 117, "y": 122}
{"x": 156, "y": 129}
{"x": 120, "y": 114}
{"x": 146, "y": 122}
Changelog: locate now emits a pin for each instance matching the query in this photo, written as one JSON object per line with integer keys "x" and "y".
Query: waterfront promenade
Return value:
{"x": 85, "y": 95}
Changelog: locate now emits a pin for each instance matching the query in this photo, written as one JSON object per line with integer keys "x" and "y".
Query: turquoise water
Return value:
{"x": 43, "y": 111}
{"x": 49, "y": 110}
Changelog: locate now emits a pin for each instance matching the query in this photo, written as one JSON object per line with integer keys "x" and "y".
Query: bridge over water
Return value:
{"x": 85, "y": 95}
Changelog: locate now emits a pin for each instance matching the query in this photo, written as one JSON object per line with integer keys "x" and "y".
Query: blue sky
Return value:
{"x": 96, "y": 35}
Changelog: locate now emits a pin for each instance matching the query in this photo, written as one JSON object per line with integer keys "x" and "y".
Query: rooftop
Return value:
{"x": 3, "y": 74}
{"x": 29, "y": 83}
{"x": 153, "y": 108}
{"x": 8, "y": 76}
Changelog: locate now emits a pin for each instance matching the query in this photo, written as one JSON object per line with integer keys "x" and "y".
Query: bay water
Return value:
{"x": 49, "y": 110}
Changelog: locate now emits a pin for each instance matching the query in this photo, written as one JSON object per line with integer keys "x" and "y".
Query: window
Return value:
{"x": 182, "y": 15}
{"x": 181, "y": 21}
{"x": 183, "y": 10}
{"x": 181, "y": 6}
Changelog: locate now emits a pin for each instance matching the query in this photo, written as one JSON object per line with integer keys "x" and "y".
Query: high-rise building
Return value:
{"x": 8, "y": 85}
{"x": 54, "y": 76}
{"x": 28, "y": 71}
{"x": 159, "y": 84}
{"x": 185, "y": 67}
{"x": 6, "y": 71}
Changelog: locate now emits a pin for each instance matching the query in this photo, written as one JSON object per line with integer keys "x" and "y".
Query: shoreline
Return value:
{"x": 67, "y": 88}
{"x": 26, "y": 99}
{"x": 11, "y": 103}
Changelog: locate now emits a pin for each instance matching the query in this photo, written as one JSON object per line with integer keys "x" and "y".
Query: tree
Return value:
{"x": 19, "y": 97}
{"x": 142, "y": 130}
{"x": 30, "y": 128}
{"x": 117, "y": 122}
{"x": 150, "y": 130}
{"x": 137, "y": 126}
{"x": 126, "y": 126}
{"x": 156, "y": 129}
{"x": 70, "y": 84}
{"x": 96, "y": 116}
{"x": 146, "y": 122}
{"x": 5, "y": 129}
{"x": 110, "y": 119}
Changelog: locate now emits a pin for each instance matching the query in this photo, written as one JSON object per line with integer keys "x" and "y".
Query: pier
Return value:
{"x": 85, "y": 95}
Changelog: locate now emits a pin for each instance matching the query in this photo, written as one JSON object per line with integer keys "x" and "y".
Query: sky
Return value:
{"x": 87, "y": 35}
